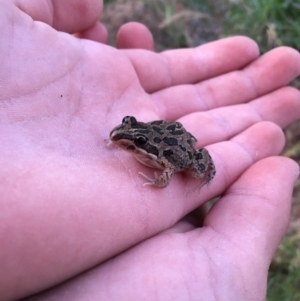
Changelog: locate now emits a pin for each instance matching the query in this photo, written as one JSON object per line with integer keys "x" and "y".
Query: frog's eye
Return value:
{"x": 125, "y": 119}
{"x": 140, "y": 141}
{"x": 129, "y": 120}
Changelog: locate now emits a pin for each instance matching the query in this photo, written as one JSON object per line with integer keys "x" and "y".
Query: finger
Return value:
{"x": 135, "y": 35}
{"x": 233, "y": 157}
{"x": 62, "y": 14}
{"x": 187, "y": 66}
{"x": 271, "y": 71}
{"x": 254, "y": 212}
{"x": 281, "y": 107}
{"x": 97, "y": 33}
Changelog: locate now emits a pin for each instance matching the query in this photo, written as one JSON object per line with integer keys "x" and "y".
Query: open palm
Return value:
{"x": 69, "y": 202}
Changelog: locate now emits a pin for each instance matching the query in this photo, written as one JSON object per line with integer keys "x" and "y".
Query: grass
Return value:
{"x": 284, "y": 272}
{"x": 271, "y": 23}
{"x": 188, "y": 23}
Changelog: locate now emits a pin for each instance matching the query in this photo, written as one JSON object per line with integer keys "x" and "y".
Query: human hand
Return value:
{"x": 226, "y": 259}
{"x": 69, "y": 203}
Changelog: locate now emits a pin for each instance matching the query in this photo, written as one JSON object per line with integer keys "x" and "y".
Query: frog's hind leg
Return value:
{"x": 202, "y": 167}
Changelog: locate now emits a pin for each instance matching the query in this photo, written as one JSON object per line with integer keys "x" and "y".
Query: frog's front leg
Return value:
{"x": 202, "y": 167}
{"x": 164, "y": 178}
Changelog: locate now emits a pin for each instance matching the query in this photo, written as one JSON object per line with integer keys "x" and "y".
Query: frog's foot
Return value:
{"x": 211, "y": 174}
{"x": 151, "y": 180}
{"x": 203, "y": 167}
{"x": 108, "y": 142}
{"x": 161, "y": 180}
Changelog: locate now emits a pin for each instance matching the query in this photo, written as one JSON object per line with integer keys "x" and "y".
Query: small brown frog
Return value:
{"x": 164, "y": 145}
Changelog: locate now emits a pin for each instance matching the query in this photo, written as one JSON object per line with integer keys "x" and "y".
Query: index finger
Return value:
{"x": 186, "y": 66}
{"x": 268, "y": 73}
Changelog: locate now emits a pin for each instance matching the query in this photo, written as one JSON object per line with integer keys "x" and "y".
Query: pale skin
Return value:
{"x": 69, "y": 203}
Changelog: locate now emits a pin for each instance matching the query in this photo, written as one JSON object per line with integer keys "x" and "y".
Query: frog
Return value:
{"x": 164, "y": 145}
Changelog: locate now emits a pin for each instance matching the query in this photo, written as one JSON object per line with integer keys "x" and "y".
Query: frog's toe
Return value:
{"x": 158, "y": 181}
{"x": 151, "y": 181}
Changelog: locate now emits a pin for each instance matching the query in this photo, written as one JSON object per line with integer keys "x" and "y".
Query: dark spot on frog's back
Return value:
{"x": 175, "y": 129}
{"x": 158, "y": 130}
{"x": 171, "y": 127}
{"x": 157, "y": 122}
{"x": 152, "y": 150}
{"x": 177, "y": 133}
{"x": 182, "y": 147}
{"x": 168, "y": 153}
{"x": 198, "y": 156}
{"x": 170, "y": 141}
{"x": 157, "y": 140}
{"x": 201, "y": 167}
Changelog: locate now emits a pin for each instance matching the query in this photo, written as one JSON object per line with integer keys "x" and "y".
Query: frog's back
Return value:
{"x": 173, "y": 142}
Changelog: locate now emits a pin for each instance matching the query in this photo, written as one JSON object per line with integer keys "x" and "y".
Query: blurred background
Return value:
{"x": 189, "y": 23}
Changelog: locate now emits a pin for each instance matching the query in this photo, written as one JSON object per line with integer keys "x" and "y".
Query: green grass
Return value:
{"x": 270, "y": 22}
{"x": 187, "y": 23}
{"x": 284, "y": 273}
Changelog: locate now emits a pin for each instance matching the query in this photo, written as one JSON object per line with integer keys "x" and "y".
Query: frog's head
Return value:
{"x": 130, "y": 135}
